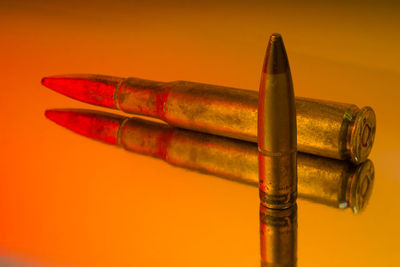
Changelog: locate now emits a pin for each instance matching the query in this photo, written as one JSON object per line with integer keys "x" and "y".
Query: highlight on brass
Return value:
{"x": 277, "y": 134}
{"x": 331, "y": 182}
{"x": 278, "y": 237}
{"x": 324, "y": 128}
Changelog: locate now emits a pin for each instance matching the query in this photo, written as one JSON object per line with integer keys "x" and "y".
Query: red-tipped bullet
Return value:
{"x": 347, "y": 185}
{"x": 94, "y": 89}
{"x": 225, "y": 111}
{"x": 97, "y": 125}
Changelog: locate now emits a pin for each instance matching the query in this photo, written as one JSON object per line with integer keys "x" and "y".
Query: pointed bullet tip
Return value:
{"x": 54, "y": 114}
{"x": 275, "y": 36}
{"x": 47, "y": 81}
{"x": 49, "y": 114}
{"x": 93, "y": 89}
{"x": 276, "y": 58}
{"x": 93, "y": 124}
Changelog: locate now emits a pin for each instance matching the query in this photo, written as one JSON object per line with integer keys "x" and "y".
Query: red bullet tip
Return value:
{"x": 96, "y": 125}
{"x": 93, "y": 89}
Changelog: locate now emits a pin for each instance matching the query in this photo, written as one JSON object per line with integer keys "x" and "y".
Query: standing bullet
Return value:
{"x": 277, "y": 135}
{"x": 278, "y": 237}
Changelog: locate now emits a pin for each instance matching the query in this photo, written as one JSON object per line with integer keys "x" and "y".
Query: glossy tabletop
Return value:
{"x": 67, "y": 200}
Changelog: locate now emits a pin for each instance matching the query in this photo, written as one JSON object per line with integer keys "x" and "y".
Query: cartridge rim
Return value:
{"x": 361, "y": 186}
{"x": 363, "y": 135}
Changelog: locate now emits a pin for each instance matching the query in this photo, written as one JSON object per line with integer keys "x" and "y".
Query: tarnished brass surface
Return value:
{"x": 327, "y": 181}
{"x": 335, "y": 183}
{"x": 324, "y": 128}
{"x": 206, "y": 108}
{"x": 278, "y": 237}
{"x": 335, "y": 130}
{"x": 277, "y": 129}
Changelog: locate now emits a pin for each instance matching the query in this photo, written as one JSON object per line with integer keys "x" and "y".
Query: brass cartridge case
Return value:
{"x": 335, "y": 183}
{"x": 331, "y": 182}
{"x": 278, "y": 237}
{"x": 329, "y": 129}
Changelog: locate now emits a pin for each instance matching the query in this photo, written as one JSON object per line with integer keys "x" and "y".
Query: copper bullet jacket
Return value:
{"x": 324, "y": 128}
{"x": 278, "y": 180}
{"x": 277, "y": 134}
{"x": 278, "y": 237}
{"x": 335, "y": 183}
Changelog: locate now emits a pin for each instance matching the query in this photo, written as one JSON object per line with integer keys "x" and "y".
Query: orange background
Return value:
{"x": 66, "y": 200}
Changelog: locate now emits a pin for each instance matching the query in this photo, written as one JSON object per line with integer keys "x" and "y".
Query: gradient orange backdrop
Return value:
{"x": 66, "y": 200}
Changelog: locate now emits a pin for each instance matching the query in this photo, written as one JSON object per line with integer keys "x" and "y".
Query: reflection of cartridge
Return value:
{"x": 332, "y": 182}
{"x": 277, "y": 129}
{"x": 335, "y": 183}
{"x": 278, "y": 237}
{"x": 335, "y": 130}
